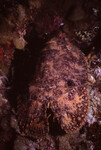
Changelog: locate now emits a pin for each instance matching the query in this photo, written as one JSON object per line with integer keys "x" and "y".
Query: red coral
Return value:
{"x": 1, "y": 52}
{"x": 6, "y": 52}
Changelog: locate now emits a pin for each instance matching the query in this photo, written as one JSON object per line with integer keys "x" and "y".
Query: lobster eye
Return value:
{"x": 70, "y": 83}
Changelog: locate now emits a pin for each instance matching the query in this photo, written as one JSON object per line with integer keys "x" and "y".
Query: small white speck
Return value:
{"x": 61, "y": 24}
{"x": 100, "y": 122}
{"x": 91, "y": 78}
{"x": 98, "y": 71}
{"x": 95, "y": 11}
{"x": 91, "y": 147}
{"x": 91, "y": 119}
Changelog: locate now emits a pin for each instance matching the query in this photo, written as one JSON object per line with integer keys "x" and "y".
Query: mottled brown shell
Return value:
{"x": 59, "y": 84}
